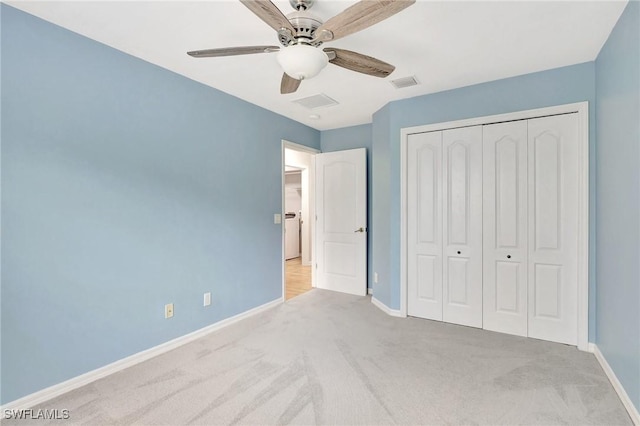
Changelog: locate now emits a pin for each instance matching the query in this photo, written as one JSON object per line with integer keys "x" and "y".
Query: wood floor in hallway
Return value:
{"x": 297, "y": 278}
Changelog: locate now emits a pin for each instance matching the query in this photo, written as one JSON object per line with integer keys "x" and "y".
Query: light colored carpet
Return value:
{"x": 329, "y": 358}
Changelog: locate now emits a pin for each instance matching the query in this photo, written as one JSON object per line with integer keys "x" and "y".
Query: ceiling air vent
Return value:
{"x": 316, "y": 101}
{"x": 400, "y": 83}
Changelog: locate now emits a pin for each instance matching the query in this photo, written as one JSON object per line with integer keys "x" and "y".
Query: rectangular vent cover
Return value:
{"x": 316, "y": 101}
{"x": 400, "y": 83}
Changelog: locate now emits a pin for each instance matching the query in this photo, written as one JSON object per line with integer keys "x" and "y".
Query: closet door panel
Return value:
{"x": 505, "y": 227}
{"x": 424, "y": 225}
{"x": 462, "y": 224}
{"x": 553, "y": 218}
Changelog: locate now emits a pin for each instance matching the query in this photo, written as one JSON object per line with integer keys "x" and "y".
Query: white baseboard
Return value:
{"x": 624, "y": 397}
{"x": 46, "y": 394}
{"x": 384, "y": 308}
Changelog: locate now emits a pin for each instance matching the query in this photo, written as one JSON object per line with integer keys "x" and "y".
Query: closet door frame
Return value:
{"x": 582, "y": 110}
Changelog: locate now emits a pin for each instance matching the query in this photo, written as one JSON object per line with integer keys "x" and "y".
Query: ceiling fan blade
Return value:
{"x": 360, "y": 63}
{"x": 269, "y": 13}
{"x": 361, "y": 15}
{"x": 232, "y": 51}
{"x": 288, "y": 84}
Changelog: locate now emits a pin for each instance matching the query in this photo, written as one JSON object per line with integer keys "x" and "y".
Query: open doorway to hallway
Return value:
{"x": 297, "y": 275}
{"x": 297, "y": 278}
{"x": 298, "y": 213}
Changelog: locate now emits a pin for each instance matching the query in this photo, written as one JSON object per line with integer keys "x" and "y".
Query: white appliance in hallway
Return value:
{"x": 292, "y": 207}
{"x": 292, "y": 236}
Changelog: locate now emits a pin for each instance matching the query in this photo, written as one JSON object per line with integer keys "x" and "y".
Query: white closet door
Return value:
{"x": 505, "y": 227}
{"x": 553, "y": 218}
{"x": 424, "y": 221}
{"x": 462, "y": 225}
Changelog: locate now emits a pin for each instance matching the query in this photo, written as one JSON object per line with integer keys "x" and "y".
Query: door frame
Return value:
{"x": 582, "y": 110}
{"x": 285, "y": 144}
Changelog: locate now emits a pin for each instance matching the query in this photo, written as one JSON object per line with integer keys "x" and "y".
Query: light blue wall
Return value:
{"x": 380, "y": 214}
{"x": 125, "y": 187}
{"x": 555, "y": 87}
{"x": 350, "y": 138}
{"x": 618, "y": 195}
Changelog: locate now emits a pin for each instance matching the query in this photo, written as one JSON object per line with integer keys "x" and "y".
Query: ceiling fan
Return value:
{"x": 301, "y": 34}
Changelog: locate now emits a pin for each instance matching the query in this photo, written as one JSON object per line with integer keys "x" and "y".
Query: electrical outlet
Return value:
{"x": 168, "y": 310}
{"x": 207, "y": 299}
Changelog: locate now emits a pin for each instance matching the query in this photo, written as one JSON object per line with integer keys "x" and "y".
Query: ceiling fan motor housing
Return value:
{"x": 304, "y": 23}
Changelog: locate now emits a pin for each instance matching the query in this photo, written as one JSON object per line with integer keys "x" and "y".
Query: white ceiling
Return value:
{"x": 445, "y": 44}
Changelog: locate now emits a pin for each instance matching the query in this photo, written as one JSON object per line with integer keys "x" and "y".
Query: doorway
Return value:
{"x": 298, "y": 199}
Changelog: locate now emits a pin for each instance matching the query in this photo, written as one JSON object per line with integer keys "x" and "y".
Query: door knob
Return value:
{"x": 361, "y": 229}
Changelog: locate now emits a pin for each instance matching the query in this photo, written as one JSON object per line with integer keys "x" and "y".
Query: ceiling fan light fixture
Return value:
{"x": 302, "y": 61}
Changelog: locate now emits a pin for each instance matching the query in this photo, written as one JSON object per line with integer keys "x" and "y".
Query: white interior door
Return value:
{"x": 341, "y": 229}
{"x": 424, "y": 221}
{"x": 462, "y": 225}
{"x": 553, "y": 227}
{"x": 505, "y": 227}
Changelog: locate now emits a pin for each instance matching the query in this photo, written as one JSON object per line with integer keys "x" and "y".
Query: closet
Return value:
{"x": 492, "y": 226}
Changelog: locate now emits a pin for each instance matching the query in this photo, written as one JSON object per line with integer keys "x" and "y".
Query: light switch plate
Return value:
{"x": 277, "y": 218}
{"x": 207, "y": 299}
